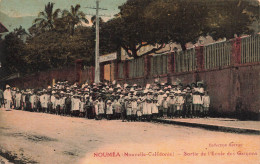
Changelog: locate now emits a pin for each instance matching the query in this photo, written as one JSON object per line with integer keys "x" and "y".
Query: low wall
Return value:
{"x": 43, "y": 79}
{"x": 234, "y": 91}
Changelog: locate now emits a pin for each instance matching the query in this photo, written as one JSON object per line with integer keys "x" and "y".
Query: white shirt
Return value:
{"x": 206, "y": 101}
{"x": 196, "y": 99}
{"x": 42, "y": 100}
{"x": 109, "y": 109}
{"x": 101, "y": 106}
{"x": 160, "y": 98}
{"x": 18, "y": 96}
{"x": 76, "y": 104}
{"x": 7, "y": 95}
{"x": 82, "y": 106}
{"x": 149, "y": 108}
{"x": 154, "y": 108}
{"x": 180, "y": 100}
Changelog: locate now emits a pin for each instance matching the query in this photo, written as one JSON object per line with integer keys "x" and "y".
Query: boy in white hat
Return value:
{"x": 33, "y": 101}
{"x": 45, "y": 99}
{"x": 57, "y": 104}
{"x": 122, "y": 100}
{"x": 38, "y": 102}
{"x": 101, "y": 108}
{"x": 134, "y": 109}
{"x": 81, "y": 106}
{"x": 165, "y": 105}
{"x": 149, "y": 109}
{"x": 109, "y": 110}
{"x": 155, "y": 110}
{"x": 13, "y": 93}
{"x": 139, "y": 110}
{"x": 62, "y": 102}
{"x": 117, "y": 106}
{"x": 160, "y": 99}
{"x": 52, "y": 110}
{"x": 196, "y": 101}
{"x": 171, "y": 102}
{"x": 206, "y": 103}
{"x": 145, "y": 109}
{"x": 128, "y": 106}
{"x": 188, "y": 104}
{"x": 23, "y": 101}
{"x": 95, "y": 104}
{"x": 179, "y": 103}
{"x": 18, "y": 98}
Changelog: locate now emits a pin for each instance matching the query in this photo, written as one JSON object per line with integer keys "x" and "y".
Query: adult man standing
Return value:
{"x": 18, "y": 98}
{"x": 8, "y": 97}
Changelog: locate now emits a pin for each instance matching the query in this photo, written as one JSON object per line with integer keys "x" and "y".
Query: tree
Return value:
{"x": 19, "y": 31}
{"x": 50, "y": 44}
{"x": 158, "y": 22}
{"x": 54, "y": 49}
{"x": 46, "y": 18}
{"x": 179, "y": 21}
{"x": 133, "y": 30}
{"x": 231, "y": 17}
{"x": 14, "y": 51}
{"x": 74, "y": 17}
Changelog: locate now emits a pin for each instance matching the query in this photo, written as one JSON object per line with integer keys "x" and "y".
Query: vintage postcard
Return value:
{"x": 129, "y": 81}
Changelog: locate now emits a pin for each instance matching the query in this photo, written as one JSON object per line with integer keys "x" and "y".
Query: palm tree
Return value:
{"x": 19, "y": 31}
{"x": 47, "y": 17}
{"x": 74, "y": 17}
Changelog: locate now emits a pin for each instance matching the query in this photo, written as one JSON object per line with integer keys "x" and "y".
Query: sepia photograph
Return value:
{"x": 129, "y": 81}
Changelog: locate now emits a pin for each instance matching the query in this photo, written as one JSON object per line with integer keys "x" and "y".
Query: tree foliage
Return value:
{"x": 46, "y": 18}
{"x": 57, "y": 38}
{"x": 14, "y": 51}
{"x": 181, "y": 21}
{"x": 74, "y": 17}
{"x": 55, "y": 41}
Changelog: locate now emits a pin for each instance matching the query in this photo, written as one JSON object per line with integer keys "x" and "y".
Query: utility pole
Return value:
{"x": 97, "y": 66}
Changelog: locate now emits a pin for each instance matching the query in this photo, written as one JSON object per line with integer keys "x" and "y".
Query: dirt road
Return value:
{"x": 27, "y": 137}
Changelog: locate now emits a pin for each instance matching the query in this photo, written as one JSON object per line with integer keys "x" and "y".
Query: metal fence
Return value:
{"x": 136, "y": 68}
{"x": 185, "y": 61}
{"x": 159, "y": 65}
{"x": 250, "y": 49}
{"x": 217, "y": 54}
{"x": 211, "y": 56}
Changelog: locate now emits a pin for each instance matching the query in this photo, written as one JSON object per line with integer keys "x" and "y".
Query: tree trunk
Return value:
{"x": 183, "y": 46}
{"x": 134, "y": 53}
{"x": 72, "y": 30}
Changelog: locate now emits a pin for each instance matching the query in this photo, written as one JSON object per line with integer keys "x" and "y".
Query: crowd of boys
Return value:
{"x": 113, "y": 101}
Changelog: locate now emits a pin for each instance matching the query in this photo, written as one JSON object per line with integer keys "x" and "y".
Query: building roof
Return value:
{"x": 3, "y": 28}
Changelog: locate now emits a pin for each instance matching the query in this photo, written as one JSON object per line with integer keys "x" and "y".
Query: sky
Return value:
{"x": 14, "y": 13}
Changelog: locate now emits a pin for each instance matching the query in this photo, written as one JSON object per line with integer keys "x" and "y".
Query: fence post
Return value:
{"x": 170, "y": 63}
{"x": 236, "y": 51}
{"x": 115, "y": 70}
{"x": 147, "y": 66}
{"x": 126, "y": 69}
{"x": 200, "y": 58}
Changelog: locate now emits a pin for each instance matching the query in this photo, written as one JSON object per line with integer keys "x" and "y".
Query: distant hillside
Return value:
{"x": 13, "y": 22}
